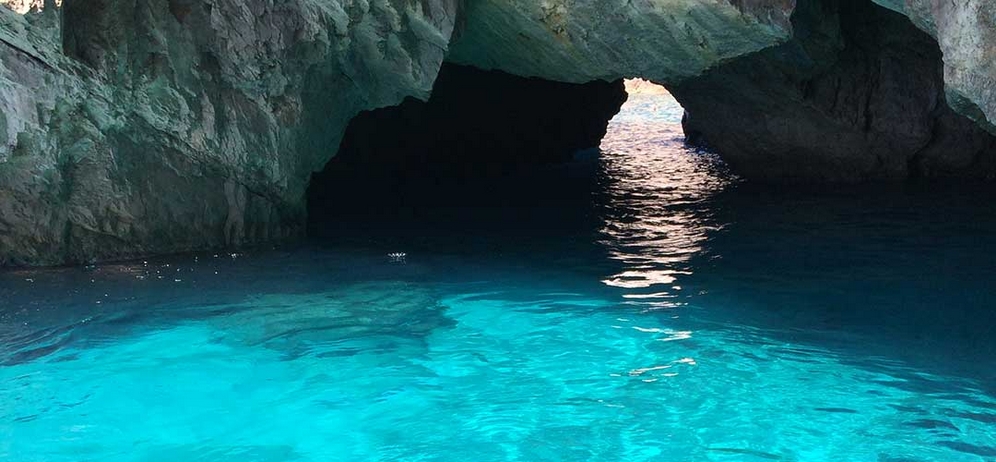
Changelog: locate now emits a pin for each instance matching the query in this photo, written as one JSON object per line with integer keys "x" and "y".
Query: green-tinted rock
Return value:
{"x": 148, "y": 126}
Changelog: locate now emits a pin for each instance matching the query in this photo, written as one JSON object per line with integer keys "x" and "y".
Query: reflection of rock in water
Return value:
{"x": 344, "y": 320}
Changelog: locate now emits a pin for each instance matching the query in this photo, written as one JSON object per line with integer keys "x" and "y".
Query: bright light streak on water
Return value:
{"x": 667, "y": 314}
{"x": 657, "y": 212}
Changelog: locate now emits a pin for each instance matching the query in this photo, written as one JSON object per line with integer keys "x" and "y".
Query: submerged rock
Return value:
{"x": 324, "y": 323}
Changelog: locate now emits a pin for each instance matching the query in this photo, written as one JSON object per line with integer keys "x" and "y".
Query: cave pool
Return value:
{"x": 643, "y": 304}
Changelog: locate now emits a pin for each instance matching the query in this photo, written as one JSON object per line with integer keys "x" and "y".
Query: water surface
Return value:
{"x": 640, "y": 305}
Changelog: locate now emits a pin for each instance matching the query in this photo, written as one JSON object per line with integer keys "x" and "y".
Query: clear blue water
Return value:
{"x": 643, "y": 305}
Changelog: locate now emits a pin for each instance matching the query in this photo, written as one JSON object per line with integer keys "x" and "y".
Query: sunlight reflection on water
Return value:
{"x": 655, "y": 187}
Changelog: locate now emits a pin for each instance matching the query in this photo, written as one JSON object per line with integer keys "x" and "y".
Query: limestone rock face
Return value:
{"x": 132, "y": 127}
{"x": 966, "y": 33}
{"x": 24, "y": 6}
{"x": 798, "y": 91}
{"x": 147, "y": 126}
{"x": 584, "y": 40}
{"x": 857, "y": 94}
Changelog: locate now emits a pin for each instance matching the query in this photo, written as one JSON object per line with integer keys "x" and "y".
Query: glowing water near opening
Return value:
{"x": 668, "y": 315}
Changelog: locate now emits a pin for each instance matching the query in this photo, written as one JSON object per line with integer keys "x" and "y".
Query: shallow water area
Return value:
{"x": 641, "y": 305}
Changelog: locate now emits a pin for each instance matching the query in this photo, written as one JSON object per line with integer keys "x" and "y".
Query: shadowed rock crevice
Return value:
{"x": 857, "y": 94}
{"x": 477, "y": 124}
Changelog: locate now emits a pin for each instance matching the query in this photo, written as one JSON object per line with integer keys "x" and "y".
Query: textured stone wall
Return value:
{"x": 147, "y": 126}
{"x": 583, "y": 40}
{"x": 24, "y": 6}
{"x": 857, "y": 94}
{"x": 966, "y": 33}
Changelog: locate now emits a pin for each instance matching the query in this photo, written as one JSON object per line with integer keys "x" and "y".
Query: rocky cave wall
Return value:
{"x": 674, "y": 41}
{"x": 132, "y": 127}
{"x": 966, "y": 34}
{"x": 857, "y": 94}
{"x": 583, "y": 40}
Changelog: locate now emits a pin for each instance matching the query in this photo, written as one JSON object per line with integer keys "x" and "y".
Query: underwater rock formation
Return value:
{"x": 293, "y": 324}
{"x": 133, "y": 127}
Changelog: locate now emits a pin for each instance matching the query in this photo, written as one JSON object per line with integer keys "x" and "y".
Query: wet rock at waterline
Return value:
{"x": 133, "y": 127}
{"x": 857, "y": 94}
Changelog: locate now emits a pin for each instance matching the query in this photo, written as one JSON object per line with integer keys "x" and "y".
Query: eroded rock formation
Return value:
{"x": 130, "y": 127}
{"x": 146, "y": 126}
{"x": 857, "y": 94}
{"x": 966, "y": 33}
{"x": 583, "y": 40}
{"x": 25, "y": 6}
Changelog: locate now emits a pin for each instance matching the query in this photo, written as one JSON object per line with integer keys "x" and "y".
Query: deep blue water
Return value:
{"x": 640, "y": 305}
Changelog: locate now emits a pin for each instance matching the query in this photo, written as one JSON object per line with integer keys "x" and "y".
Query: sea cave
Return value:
{"x": 508, "y": 230}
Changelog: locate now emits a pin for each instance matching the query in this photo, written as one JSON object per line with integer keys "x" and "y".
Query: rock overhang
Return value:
{"x": 137, "y": 126}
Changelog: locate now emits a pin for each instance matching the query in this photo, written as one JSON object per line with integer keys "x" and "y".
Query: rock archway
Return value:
{"x": 477, "y": 125}
{"x": 132, "y": 127}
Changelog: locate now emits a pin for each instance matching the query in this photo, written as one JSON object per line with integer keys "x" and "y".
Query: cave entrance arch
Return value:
{"x": 477, "y": 128}
{"x": 492, "y": 154}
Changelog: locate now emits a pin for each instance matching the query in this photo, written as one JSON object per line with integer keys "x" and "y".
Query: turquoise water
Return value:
{"x": 643, "y": 305}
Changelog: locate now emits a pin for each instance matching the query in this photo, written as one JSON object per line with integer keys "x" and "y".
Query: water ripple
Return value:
{"x": 773, "y": 330}
{"x": 656, "y": 192}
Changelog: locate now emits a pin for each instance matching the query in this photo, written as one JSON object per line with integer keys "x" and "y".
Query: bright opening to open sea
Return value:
{"x": 639, "y": 305}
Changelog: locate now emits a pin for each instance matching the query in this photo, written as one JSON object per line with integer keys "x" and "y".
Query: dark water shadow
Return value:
{"x": 911, "y": 264}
